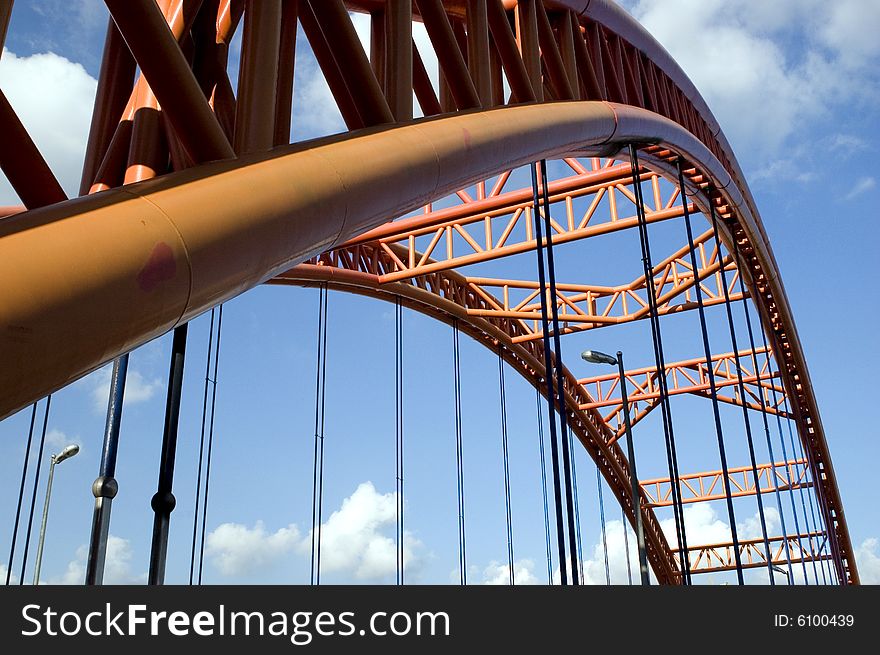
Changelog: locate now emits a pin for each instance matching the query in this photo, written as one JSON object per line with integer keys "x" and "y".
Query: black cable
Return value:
{"x": 629, "y": 574}
{"x": 797, "y": 525}
{"x": 548, "y": 379}
{"x": 811, "y": 526}
{"x": 602, "y": 519}
{"x": 560, "y": 381}
{"x": 459, "y": 455}
{"x": 210, "y": 457}
{"x": 544, "y": 487}
{"x": 657, "y": 339}
{"x": 192, "y": 559}
{"x": 710, "y": 371}
{"x": 398, "y": 449}
{"x": 27, "y": 540}
{"x": 318, "y": 471}
{"x": 24, "y": 469}
{"x": 506, "y": 460}
{"x": 816, "y": 527}
{"x": 577, "y": 504}
{"x": 766, "y": 422}
{"x": 745, "y": 410}
{"x": 819, "y": 492}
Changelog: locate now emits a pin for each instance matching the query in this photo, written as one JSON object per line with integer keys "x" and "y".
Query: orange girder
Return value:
{"x": 700, "y": 487}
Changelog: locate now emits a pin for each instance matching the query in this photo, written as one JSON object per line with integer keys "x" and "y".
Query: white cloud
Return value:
{"x": 761, "y": 90}
{"x": 498, "y": 573}
{"x": 868, "y": 561}
{"x": 117, "y": 566}
{"x": 751, "y": 527}
{"x": 56, "y": 439}
{"x": 238, "y": 550}
{"x": 863, "y": 185}
{"x": 13, "y": 579}
{"x": 352, "y": 539}
{"x": 53, "y": 97}
{"x": 703, "y": 526}
{"x": 138, "y": 389}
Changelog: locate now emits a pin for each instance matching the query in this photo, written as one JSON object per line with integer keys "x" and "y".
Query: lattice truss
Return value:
{"x": 593, "y": 197}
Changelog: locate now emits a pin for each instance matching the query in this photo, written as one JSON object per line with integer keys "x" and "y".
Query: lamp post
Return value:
{"x": 596, "y": 357}
{"x": 67, "y": 453}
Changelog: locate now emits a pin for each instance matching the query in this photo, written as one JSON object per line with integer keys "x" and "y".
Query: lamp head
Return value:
{"x": 596, "y": 357}
{"x": 67, "y": 453}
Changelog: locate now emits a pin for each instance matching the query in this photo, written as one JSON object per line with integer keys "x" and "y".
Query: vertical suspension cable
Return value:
{"x": 398, "y": 447}
{"x": 567, "y": 454}
{"x": 192, "y": 558}
{"x": 816, "y": 529}
{"x": 811, "y": 526}
{"x": 27, "y": 540}
{"x": 819, "y": 493}
{"x": 24, "y": 469}
{"x": 766, "y": 422}
{"x": 629, "y": 574}
{"x": 505, "y": 456}
{"x": 459, "y": 463}
{"x": 318, "y": 465}
{"x": 776, "y": 403}
{"x": 742, "y": 392}
{"x": 819, "y": 522}
{"x": 710, "y": 372}
{"x": 210, "y": 456}
{"x": 544, "y": 487}
{"x": 657, "y": 339}
{"x": 577, "y": 504}
{"x": 602, "y": 519}
{"x": 548, "y": 379}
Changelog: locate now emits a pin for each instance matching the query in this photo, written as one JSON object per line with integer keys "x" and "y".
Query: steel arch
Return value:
{"x": 562, "y": 50}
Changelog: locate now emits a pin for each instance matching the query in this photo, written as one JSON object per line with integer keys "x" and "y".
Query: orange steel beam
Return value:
{"x": 714, "y": 558}
{"x": 700, "y": 487}
{"x": 171, "y": 238}
{"x": 685, "y": 377}
{"x": 114, "y": 86}
{"x": 483, "y": 229}
{"x": 5, "y": 13}
{"x": 583, "y": 307}
{"x": 286, "y": 61}
{"x": 21, "y": 161}
{"x": 257, "y": 76}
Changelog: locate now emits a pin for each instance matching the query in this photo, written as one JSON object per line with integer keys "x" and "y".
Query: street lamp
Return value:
{"x": 67, "y": 453}
{"x": 596, "y": 357}
{"x": 778, "y": 569}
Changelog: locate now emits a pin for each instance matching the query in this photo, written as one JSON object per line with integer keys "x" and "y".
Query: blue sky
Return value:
{"x": 794, "y": 86}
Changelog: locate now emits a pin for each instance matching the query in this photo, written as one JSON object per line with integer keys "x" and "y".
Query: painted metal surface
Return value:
{"x": 145, "y": 252}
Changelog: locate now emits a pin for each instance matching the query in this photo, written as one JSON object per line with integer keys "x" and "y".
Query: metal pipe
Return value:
{"x": 257, "y": 77}
{"x": 66, "y": 453}
{"x": 163, "y": 501}
{"x": 42, "y": 539}
{"x": 105, "y": 486}
{"x": 157, "y": 52}
{"x": 634, "y": 478}
{"x": 399, "y": 59}
{"x": 478, "y": 49}
{"x": 453, "y": 67}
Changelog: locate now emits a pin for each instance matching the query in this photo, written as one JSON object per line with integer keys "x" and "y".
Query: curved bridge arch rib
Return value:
{"x": 519, "y": 81}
